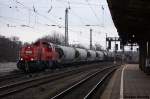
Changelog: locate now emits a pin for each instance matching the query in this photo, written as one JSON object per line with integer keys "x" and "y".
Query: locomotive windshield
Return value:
{"x": 36, "y": 43}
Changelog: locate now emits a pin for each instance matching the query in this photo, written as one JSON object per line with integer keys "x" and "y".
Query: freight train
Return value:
{"x": 43, "y": 55}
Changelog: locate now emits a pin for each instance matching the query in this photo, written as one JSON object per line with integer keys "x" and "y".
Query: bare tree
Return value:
{"x": 78, "y": 46}
{"x": 9, "y": 49}
{"x": 98, "y": 47}
{"x": 55, "y": 38}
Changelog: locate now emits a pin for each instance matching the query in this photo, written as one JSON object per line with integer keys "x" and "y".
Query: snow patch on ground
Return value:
{"x": 8, "y": 67}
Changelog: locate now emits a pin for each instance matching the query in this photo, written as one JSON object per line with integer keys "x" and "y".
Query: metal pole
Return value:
{"x": 123, "y": 54}
{"x": 66, "y": 26}
{"x": 29, "y": 17}
{"x": 115, "y": 52}
{"x": 90, "y": 38}
{"x": 106, "y": 42}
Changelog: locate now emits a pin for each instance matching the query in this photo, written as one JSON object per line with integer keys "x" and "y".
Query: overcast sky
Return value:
{"x": 31, "y": 19}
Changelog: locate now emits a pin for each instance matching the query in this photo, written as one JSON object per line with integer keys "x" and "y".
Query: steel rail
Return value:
{"x": 38, "y": 81}
{"x": 65, "y": 92}
{"x": 93, "y": 90}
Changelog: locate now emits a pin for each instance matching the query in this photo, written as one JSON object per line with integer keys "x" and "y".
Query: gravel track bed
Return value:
{"x": 46, "y": 90}
{"x": 26, "y": 77}
{"x": 82, "y": 90}
{"x": 50, "y": 88}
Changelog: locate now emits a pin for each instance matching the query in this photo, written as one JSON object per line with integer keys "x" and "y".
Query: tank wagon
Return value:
{"x": 43, "y": 55}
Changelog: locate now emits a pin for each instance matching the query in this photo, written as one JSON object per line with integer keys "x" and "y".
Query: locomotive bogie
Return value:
{"x": 32, "y": 66}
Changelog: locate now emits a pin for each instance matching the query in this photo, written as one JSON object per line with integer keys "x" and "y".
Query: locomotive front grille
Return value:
{"x": 28, "y": 52}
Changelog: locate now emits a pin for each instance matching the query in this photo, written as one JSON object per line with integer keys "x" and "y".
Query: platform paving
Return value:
{"x": 135, "y": 84}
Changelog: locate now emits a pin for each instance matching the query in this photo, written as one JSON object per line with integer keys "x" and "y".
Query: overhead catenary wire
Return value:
{"x": 51, "y": 7}
{"x": 33, "y": 9}
{"x": 93, "y": 11}
{"x": 102, "y": 15}
{"x": 79, "y": 3}
{"x": 20, "y": 20}
{"x": 29, "y": 9}
{"x": 82, "y": 20}
{"x": 79, "y": 17}
{"x": 17, "y": 20}
{"x": 19, "y": 25}
{"x": 74, "y": 13}
{"x": 47, "y": 17}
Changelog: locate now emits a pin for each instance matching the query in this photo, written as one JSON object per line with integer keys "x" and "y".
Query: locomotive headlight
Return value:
{"x": 32, "y": 59}
{"x": 21, "y": 59}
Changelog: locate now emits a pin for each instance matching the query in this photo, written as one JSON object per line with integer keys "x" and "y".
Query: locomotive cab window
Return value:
{"x": 36, "y": 43}
{"x": 47, "y": 46}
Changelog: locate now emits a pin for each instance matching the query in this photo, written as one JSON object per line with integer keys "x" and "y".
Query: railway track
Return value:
{"x": 13, "y": 88}
{"x": 19, "y": 76}
{"x": 80, "y": 90}
{"x": 11, "y": 76}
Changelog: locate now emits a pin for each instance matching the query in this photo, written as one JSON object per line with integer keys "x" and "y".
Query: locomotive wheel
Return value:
{"x": 27, "y": 70}
{"x": 49, "y": 65}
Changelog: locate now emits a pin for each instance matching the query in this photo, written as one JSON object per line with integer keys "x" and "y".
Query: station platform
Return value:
{"x": 128, "y": 82}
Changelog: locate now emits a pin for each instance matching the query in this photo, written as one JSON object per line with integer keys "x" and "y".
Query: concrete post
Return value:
{"x": 143, "y": 54}
{"x": 140, "y": 56}
{"x": 147, "y": 61}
